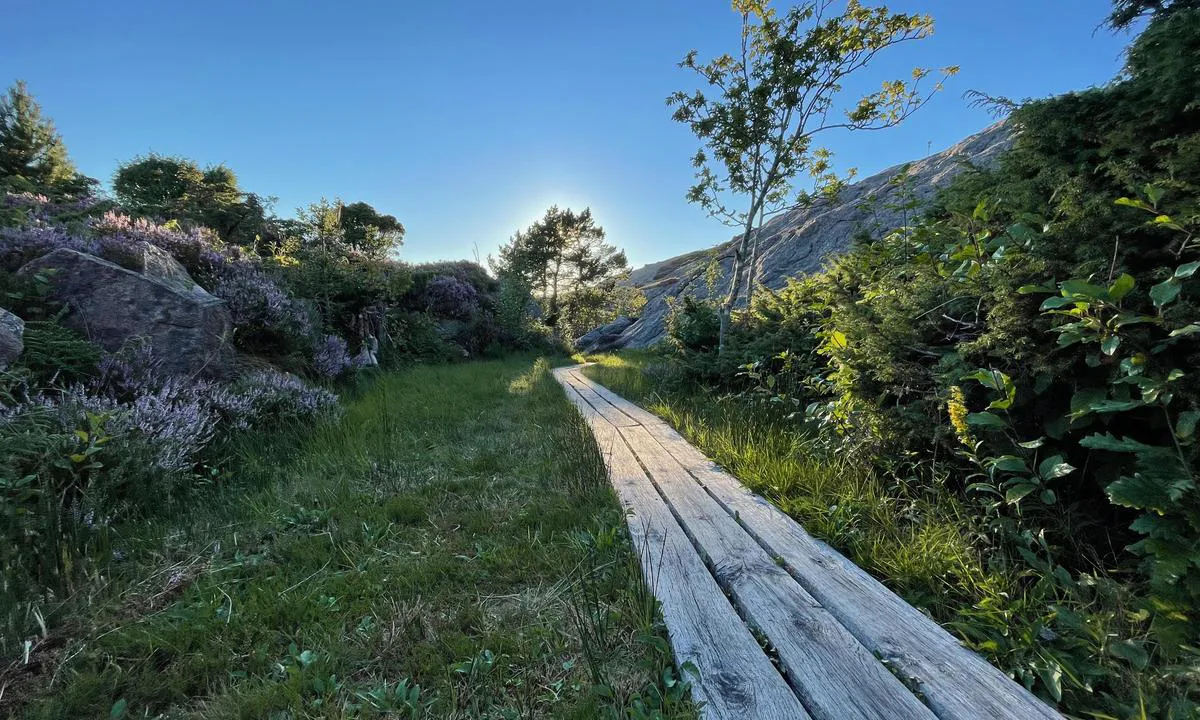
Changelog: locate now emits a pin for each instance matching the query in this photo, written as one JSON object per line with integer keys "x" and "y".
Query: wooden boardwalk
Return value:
{"x": 733, "y": 573}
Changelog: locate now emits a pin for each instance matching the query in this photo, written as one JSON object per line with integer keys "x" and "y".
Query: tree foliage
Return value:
{"x": 368, "y": 231}
{"x": 565, "y": 259}
{"x": 173, "y": 188}
{"x": 33, "y": 157}
{"x": 767, "y": 104}
{"x": 1127, "y": 12}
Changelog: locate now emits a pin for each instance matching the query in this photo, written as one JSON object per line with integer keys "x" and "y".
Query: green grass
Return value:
{"x": 920, "y": 544}
{"x": 454, "y": 531}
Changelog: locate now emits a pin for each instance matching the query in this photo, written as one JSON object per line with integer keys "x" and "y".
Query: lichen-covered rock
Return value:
{"x": 801, "y": 240}
{"x": 12, "y": 338}
{"x": 605, "y": 337}
{"x": 188, "y": 329}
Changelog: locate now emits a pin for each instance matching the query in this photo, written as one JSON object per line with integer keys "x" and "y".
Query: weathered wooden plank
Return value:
{"x": 737, "y": 680}
{"x": 606, "y": 409}
{"x": 957, "y": 683}
{"x": 633, "y": 410}
{"x": 834, "y": 675}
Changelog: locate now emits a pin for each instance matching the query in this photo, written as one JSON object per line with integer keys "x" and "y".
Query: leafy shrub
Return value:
{"x": 693, "y": 325}
{"x": 414, "y": 336}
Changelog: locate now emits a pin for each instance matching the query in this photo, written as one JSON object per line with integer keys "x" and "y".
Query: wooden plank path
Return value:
{"x": 731, "y": 570}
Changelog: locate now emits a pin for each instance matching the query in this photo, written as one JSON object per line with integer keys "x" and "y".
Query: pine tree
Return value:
{"x": 32, "y": 154}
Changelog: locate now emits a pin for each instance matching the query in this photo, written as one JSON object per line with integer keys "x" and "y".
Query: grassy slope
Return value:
{"x": 454, "y": 531}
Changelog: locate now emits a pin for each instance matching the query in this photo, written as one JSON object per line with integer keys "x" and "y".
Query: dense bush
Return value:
{"x": 131, "y": 441}
{"x": 449, "y": 297}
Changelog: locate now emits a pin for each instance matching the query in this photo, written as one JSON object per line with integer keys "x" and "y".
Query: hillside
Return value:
{"x": 798, "y": 241}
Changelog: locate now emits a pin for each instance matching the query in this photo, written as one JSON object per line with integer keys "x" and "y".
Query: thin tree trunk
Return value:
{"x": 739, "y": 259}
{"x": 554, "y": 293}
{"x": 750, "y": 271}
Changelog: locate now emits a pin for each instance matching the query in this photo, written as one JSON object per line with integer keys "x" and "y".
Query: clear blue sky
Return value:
{"x": 467, "y": 118}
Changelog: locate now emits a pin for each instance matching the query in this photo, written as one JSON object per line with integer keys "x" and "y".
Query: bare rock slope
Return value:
{"x": 799, "y": 241}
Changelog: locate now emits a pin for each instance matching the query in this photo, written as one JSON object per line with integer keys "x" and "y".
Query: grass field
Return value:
{"x": 450, "y": 548}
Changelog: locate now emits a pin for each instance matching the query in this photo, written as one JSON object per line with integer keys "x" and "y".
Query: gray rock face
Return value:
{"x": 605, "y": 337}
{"x": 12, "y": 334}
{"x": 158, "y": 264}
{"x": 801, "y": 240}
{"x": 188, "y": 329}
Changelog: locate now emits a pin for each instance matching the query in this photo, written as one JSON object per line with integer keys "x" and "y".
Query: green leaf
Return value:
{"x": 82, "y": 435}
{"x": 1018, "y": 492}
{"x": 1121, "y": 287}
{"x": 1083, "y": 399}
{"x": 1107, "y": 406}
{"x": 1035, "y": 289}
{"x": 1051, "y": 677}
{"x": 1022, "y": 233}
{"x": 1033, "y": 444}
{"x": 1053, "y": 467}
{"x": 1008, "y": 463}
{"x": 1130, "y": 202}
{"x": 1165, "y": 292}
{"x": 1185, "y": 426}
{"x": 986, "y": 419}
{"x": 1108, "y": 441}
{"x": 1153, "y": 193}
{"x": 1132, "y": 651}
{"x": 1056, "y": 302}
{"x": 1083, "y": 288}
{"x": 1186, "y": 330}
{"x": 1048, "y": 497}
{"x": 1187, "y": 270}
{"x": 1109, "y": 345}
{"x": 118, "y": 709}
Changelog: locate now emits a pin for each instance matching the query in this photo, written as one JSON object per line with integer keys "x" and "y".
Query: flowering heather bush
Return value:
{"x": 331, "y": 358}
{"x": 33, "y": 201}
{"x": 450, "y": 297}
{"x": 255, "y": 301}
{"x": 20, "y": 245}
{"x": 196, "y": 249}
{"x": 274, "y": 397}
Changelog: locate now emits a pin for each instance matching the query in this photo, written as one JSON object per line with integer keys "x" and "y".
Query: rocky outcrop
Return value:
{"x": 12, "y": 338}
{"x": 188, "y": 329}
{"x": 605, "y": 337}
{"x": 801, "y": 240}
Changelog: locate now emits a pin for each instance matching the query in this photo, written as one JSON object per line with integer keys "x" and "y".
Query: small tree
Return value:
{"x": 769, "y": 102}
{"x": 32, "y": 154}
